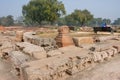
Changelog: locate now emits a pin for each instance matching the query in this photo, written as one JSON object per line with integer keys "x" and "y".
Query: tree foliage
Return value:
{"x": 61, "y": 21}
{"x": 79, "y": 17}
{"x": 70, "y": 21}
{"x": 97, "y": 22}
{"x": 117, "y": 22}
{"x": 37, "y": 11}
{"x": 107, "y": 21}
{"x": 7, "y": 21}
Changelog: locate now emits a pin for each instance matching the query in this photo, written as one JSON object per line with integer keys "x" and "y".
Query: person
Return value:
{"x": 103, "y": 25}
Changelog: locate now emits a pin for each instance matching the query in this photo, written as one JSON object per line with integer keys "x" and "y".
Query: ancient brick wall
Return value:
{"x": 63, "y": 39}
{"x": 47, "y": 43}
{"x": 71, "y": 61}
{"x": 33, "y": 62}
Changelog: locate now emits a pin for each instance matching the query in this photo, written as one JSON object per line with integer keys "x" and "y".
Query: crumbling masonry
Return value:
{"x": 40, "y": 59}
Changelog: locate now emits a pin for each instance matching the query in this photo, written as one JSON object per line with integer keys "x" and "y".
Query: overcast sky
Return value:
{"x": 99, "y": 8}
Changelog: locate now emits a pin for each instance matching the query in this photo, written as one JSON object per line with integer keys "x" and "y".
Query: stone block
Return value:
{"x": 83, "y": 40}
{"x": 33, "y": 50}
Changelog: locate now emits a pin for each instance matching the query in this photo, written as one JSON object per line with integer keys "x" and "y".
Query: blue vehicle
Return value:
{"x": 104, "y": 28}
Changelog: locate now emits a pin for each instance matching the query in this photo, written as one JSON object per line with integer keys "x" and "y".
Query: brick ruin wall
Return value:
{"x": 33, "y": 62}
{"x": 47, "y": 43}
{"x": 69, "y": 62}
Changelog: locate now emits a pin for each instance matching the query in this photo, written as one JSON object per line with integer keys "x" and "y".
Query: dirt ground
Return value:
{"x": 6, "y": 71}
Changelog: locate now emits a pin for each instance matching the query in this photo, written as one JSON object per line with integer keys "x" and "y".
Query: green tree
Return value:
{"x": 96, "y": 22}
{"x": 7, "y": 21}
{"x": 87, "y": 16}
{"x": 61, "y": 21}
{"x": 37, "y": 11}
{"x": 2, "y": 21}
{"x": 107, "y": 21}
{"x": 10, "y": 20}
{"x": 79, "y": 17}
{"x": 70, "y": 20}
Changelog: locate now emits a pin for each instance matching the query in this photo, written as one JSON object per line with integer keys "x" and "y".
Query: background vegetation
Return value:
{"x": 52, "y": 12}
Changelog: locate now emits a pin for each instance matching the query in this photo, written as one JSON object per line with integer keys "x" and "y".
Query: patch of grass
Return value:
{"x": 48, "y": 35}
{"x": 73, "y": 34}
